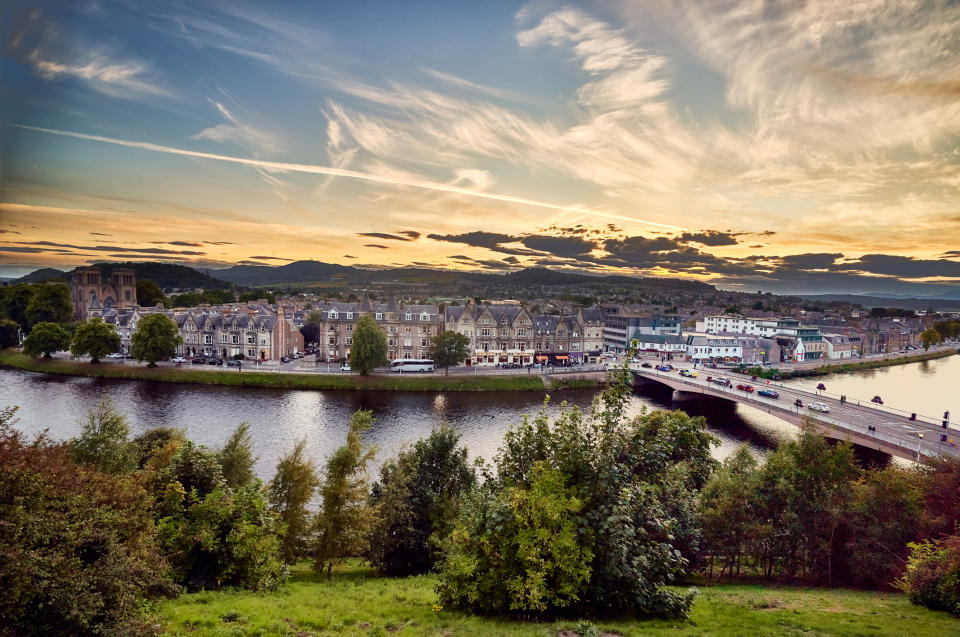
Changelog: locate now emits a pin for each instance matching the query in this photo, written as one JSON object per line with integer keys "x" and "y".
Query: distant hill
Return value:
{"x": 887, "y": 301}
{"x": 43, "y": 274}
{"x": 166, "y": 275}
{"x": 543, "y": 276}
{"x": 296, "y": 272}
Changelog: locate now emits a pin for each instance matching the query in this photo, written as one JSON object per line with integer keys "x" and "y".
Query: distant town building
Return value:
{"x": 92, "y": 295}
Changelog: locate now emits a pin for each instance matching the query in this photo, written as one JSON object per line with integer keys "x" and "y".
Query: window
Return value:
{"x": 485, "y": 331}
{"x": 251, "y": 339}
{"x": 423, "y": 342}
{"x": 503, "y": 320}
{"x": 332, "y": 314}
{"x": 349, "y": 340}
{"x": 349, "y": 315}
{"x": 521, "y": 332}
{"x": 207, "y": 339}
{"x": 223, "y": 338}
{"x": 424, "y": 316}
{"x": 408, "y": 316}
{"x": 407, "y": 342}
{"x": 379, "y": 316}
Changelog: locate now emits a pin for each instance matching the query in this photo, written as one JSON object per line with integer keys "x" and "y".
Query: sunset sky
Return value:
{"x": 783, "y": 146}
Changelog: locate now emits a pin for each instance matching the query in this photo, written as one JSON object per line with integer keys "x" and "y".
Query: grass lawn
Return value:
{"x": 356, "y": 602}
{"x": 409, "y": 382}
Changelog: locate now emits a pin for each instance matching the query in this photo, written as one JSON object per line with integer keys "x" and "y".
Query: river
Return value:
{"x": 280, "y": 417}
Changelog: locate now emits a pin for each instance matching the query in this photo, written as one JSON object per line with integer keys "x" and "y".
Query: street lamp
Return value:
{"x": 919, "y": 443}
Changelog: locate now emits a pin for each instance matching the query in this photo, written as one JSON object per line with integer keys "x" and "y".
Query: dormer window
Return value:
{"x": 503, "y": 320}
{"x": 379, "y": 316}
{"x": 332, "y": 314}
{"x": 424, "y": 317}
{"x": 408, "y": 316}
{"x": 349, "y": 315}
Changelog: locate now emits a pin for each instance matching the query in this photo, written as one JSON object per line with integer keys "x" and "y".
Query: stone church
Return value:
{"x": 92, "y": 294}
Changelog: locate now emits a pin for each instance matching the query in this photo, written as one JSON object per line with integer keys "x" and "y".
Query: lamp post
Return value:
{"x": 919, "y": 443}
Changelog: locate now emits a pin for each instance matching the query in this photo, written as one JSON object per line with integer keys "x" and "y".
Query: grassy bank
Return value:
{"x": 846, "y": 368}
{"x": 438, "y": 382}
{"x": 356, "y": 602}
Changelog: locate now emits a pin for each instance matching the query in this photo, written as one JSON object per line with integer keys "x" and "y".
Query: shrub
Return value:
{"x": 77, "y": 555}
{"x": 417, "y": 498}
{"x": 213, "y": 535}
{"x": 932, "y": 578}
{"x": 289, "y": 493}
{"x": 236, "y": 457}
{"x": 345, "y": 518}
{"x": 635, "y": 481}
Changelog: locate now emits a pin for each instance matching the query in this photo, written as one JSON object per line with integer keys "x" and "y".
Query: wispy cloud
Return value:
{"x": 234, "y": 130}
{"x": 54, "y": 55}
{"x": 352, "y": 174}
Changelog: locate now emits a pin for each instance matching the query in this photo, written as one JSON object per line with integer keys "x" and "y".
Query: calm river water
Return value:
{"x": 279, "y": 417}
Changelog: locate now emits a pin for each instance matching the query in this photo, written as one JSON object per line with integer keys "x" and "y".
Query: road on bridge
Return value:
{"x": 851, "y": 416}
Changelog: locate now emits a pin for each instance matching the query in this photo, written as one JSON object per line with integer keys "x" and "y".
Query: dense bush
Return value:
{"x": 213, "y": 535}
{"x": 103, "y": 441}
{"x": 932, "y": 578}
{"x": 417, "y": 497}
{"x": 77, "y": 554}
{"x": 627, "y": 488}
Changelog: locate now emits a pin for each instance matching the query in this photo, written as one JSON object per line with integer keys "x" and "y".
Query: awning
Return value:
{"x": 541, "y": 358}
{"x": 561, "y": 358}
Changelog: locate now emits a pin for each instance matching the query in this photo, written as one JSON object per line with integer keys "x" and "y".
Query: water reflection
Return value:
{"x": 278, "y": 418}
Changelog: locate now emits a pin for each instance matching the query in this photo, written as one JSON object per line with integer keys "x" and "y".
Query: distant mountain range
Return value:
{"x": 166, "y": 275}
{"x": 946, "y": 301}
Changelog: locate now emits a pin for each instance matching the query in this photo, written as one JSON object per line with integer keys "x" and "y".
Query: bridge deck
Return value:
{"x": 894, "y": 433}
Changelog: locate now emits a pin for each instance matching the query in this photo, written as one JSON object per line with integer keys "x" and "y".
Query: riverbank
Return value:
{"x": 437, "y": 382}
{"x": 357, "y": 602}
{"x": 847, "y": 368}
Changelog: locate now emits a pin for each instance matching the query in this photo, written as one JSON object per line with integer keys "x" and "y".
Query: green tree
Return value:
{"x": 417, "y": 496}
{"x": 45, "y": 339}
{"x": 9, "y": 333}
{"x": 156, "y": 339}
{"x": 49, "y": 303}
{"x": 369, "y": 349}
{"x": 929, "y": 337}
{"x": 13, "y": 303}
{"x": 289, "y": 493}
{"x": 149, "y": 293}
{"x": 449, "y": 349}
{"x": 103, "y": 442}
{"x": 236, "y": 457}
{"x": 728, "y": 512}
{"x": 94, "y": 338}
{"x": 345, "y": 517}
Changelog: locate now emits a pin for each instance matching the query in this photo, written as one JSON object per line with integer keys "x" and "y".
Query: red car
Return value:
{"x": 746, "y": 388}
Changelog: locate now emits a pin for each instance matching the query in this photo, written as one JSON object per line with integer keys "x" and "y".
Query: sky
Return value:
{"x": 783, "y": 146}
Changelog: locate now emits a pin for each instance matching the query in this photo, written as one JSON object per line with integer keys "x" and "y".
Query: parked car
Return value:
{"x": 768, "y": 393}
{"x": 647, "y": 365}
{"x": 199, "y": 360}
{"x": 233, "y": 363}
{"x": 746, "y": 388}
{"x": 284, "y": 359}
{"x": 345, "y": 367}
{"x": 179, "y": 360}
{"x": 115, "y": 355}
{"x": 821, "y": 407}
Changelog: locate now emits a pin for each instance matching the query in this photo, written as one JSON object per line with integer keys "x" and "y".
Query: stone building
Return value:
{"x": 92, "y": 295}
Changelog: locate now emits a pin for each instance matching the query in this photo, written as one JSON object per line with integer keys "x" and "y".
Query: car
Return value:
{"x": 115, "y": 355}
{"x": 688, "y": 373}
{"x": 647, "y": 365}
{"x": 199, "y": 360}
{"x": 746, "y": 388}
{"x": 768, "y": 393}
{"x": 821, "y": 407}
{"x": 179, "y": 360}
{"x": 233, "y": 363}
{"x": 345, "y": 367}
{"x": 284, "y": 359}
{"x": 723, "y": 382}
{"x": 665, "y": 368}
